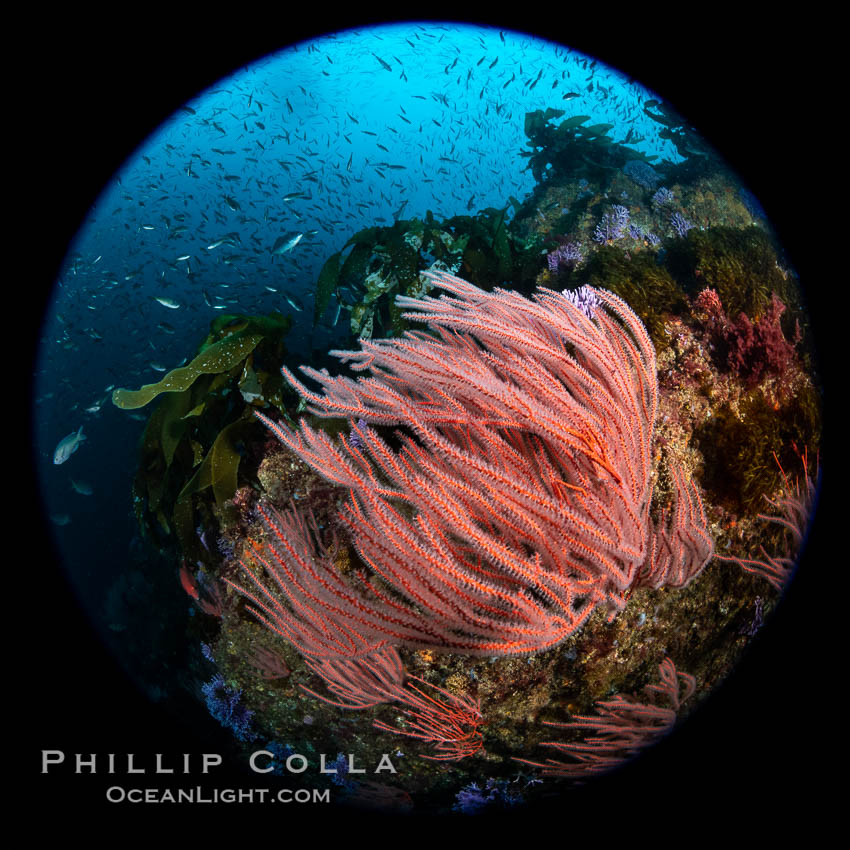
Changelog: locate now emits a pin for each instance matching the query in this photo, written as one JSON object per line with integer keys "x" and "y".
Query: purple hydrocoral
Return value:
{"x": 585, "y": 299}
{"x": 642, "y": 173}
{"x": 613, "y": 225}
{"x": 341, "y": 776}
{"x": 758, "y": 618}
{"x": 680, "y": 224}
{"x": 354, "y": 439}
{"x": 640, "y": 235}
{"x": 495, "y": 793}
{"x": 224, "y": 704}
{"x": 568, "y": 255}
{"x": 662, "y": 196}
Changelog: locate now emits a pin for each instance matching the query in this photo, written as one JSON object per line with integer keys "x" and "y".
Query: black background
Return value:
{"x": 90, "y": 91}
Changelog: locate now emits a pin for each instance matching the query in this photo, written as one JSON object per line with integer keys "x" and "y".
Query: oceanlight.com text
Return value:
{"x": 119, "y": 794}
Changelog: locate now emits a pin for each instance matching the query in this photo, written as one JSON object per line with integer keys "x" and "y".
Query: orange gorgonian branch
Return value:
{"x": 794, "y": 510}
{"x": 622, "y": 727}
{"x": 447, "y": 721}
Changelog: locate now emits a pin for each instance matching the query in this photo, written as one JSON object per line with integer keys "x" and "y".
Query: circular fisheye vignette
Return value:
{"x": 505, "y": 547}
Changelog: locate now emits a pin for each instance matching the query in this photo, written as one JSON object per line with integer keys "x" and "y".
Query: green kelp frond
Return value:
{"x": 220, "y": 467}
{"x": 689, "y": 143}
{"x": 326, "y": 284}
{"x": 571, "y": 150}
{"x": 273, "y": 324}
{"x": 217, "y": 358}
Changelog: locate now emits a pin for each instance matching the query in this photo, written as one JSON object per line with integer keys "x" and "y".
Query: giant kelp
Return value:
{"x": 494, "y": 252}
{"x": 375, "y": 265}
{"x": 213, "y": 360}
{"x": 378, "y": 263}
{"x": 192, "y": 441}
{"x": 571, "y": 149}
{"x": 697, "y": 156}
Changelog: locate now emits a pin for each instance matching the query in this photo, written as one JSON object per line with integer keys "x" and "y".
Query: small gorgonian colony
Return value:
{"x": 622, "y": 727}
{"x": 512, "y": 500}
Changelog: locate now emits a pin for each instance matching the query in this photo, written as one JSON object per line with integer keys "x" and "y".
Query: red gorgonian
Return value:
{"x": 511, "y": 500}
{"x": 622, "y": 727}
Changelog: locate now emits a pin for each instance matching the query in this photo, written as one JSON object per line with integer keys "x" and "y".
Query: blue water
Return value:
{"x": 323, "y": 139}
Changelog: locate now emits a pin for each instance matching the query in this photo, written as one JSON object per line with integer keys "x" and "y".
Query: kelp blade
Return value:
{"x": 217, "y": 358}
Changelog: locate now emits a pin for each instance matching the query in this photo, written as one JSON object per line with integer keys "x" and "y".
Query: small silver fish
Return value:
{"x": 68, "y": 446}
{"x": 284, "y": 244}
{"x": 168, "y": 302}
